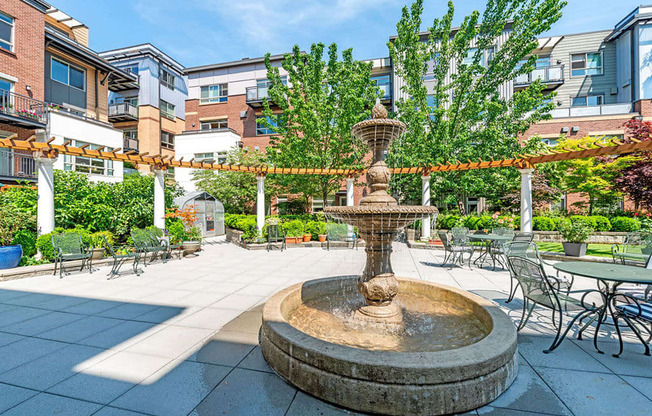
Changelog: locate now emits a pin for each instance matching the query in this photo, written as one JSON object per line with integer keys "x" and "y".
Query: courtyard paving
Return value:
{"x": 182, "y": 339}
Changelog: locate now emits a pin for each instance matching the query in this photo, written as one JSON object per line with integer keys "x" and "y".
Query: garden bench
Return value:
{"x": 70, "y": 247}
{"x": 120, "y": 256}
{"x": 340, "y": 232}
{"x": 274, "y": 236}
{"x": 636, "y": 249}
{"x": 145, "y": 244}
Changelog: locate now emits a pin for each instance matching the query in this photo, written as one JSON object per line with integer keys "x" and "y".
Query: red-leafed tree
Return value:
{"x": 636, "y": 179}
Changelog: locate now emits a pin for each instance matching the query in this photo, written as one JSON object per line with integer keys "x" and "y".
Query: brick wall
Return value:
{"x": 587, "y": 125}
{"x": 26, "y": 62}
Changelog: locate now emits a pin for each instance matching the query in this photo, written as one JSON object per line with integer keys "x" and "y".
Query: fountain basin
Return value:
{"x": 393, "y": 382}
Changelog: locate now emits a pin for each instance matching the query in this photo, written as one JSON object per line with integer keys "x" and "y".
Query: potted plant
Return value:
{"x": 185, "y": 232}
{"x": 321, "y": 231}
{"x": 97, "y": 242}
{"x": 293, "y": 232}
{"x": 192, "y": 241}
{"x": 575, "y": 235}
{"x": 11, "y": 221}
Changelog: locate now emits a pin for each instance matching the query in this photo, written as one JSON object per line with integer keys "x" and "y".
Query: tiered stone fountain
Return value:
{"x": 381, "y": 344}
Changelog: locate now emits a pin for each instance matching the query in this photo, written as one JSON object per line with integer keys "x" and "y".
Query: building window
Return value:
{"x": 86, "y": 164}
{"x": 586, "y": 64}
{"x": 550, "y": 142}
{"x": 130, "y": 139}
{"x": 214, "y": 124}
{"x": 6, "y": 32}
{"x": 6, "y": 86}
{"x": 167, "y": 110}
{"x": 485, "y": 59}
{"x": 262, "y": 129}
{"x": 67, "y": 74}
{"x": 587, "y": 101}
{"x": 167, "y": 140}
{"x": 383, "y": 83}
{"x": 167, "y": 79}
{"x": 318, "y": 204}
{"x": 130, "y": 69}
{"x": 214, "y": 94}
{"x": 129, "y": 100}
{"x": 204, "y": 157}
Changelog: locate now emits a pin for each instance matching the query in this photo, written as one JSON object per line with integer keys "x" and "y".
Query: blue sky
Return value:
{"x": 197, "y": 32}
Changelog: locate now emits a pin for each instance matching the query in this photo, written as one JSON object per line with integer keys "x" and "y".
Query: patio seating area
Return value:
{"x": 182, "y": 339}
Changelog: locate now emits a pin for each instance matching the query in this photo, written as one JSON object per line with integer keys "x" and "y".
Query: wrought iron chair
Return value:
{"x": 497, "y": 247}
{"x": 639, "y": 311}
{"x": 539, "y": 289}
{"x": 275, "y": 235}
{"x": 120, "y": 256}
{"x": 531, "y": 251}
{"x": 145, "y": 244}
{"x": 455, "y": 247}
{"x": 340, "y": 232}
{"x": 159, "y": 238}
{"x": 70, "y": 247}
{"x": 636, "y": 249}
{"x": 523, "y": 237}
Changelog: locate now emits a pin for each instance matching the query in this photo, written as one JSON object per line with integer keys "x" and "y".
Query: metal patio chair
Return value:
{"x": 145, "y": 245}
{"x": 636, "y": 249}
{"x": 454, "y": 248}
{"x": 121, "y": 258}
{"x": 523, "y": 237}
{"x": 274, "y": 236}
{"x": 497, "y": 247}
{"x": 340, "y": 232}
{"x": 539, "y": 289}
{"x": 70, "y": 247}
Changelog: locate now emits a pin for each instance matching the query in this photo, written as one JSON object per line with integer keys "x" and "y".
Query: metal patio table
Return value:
{"x": 609, "y": 277}
{"x": 488, "y": 241}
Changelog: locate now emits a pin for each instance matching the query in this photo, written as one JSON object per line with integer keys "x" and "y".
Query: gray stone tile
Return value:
{"x": 306, "y": 405}
{"x": 6, "y": 338}
{"x": 80, "y": 329}
{"x": 128, "y": 311}
{"x": 42, "y": 323}
{"x": 266, "y": 394}
{"x": 497, "y": 411}
{"x": 567, "y": 355}
{"x": 19, "y": 314}
{"x": 530, "y": 393}
{"x": 173, "y": 390}
{"x": 118, "y": 334}
{"x": 237, "y": 302}
{"x": 160, "y": 314}
{"x": 642, "y": 384}
{"x": 60, "y": 303}
{"x": 10, "y": 396}
{"x": 26, "y": 350}
{"x": 595, "y": 393}
{"x": 256, "y": 361}
{"x": 50, "y": 369}
{"x": 93, "y": 307}
{"x": 8, "y": 295}
{"x": 632, "y": 362}
{"x": 91, "y": 387}
{"x": 112, "y": 411}
{"x": 45, "y": 404}
{"x": 32, "y": 299}
{"x": 227, "y": 352}
{"x": 249, "y": 321}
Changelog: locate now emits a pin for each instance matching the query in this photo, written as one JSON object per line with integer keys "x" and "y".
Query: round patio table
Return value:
{"x": 488, "y": 241}
{"x": 609, "y": 277}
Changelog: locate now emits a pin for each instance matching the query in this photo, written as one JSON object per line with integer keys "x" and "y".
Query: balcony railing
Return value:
{"x": 130, "y": 144}
{"x": 256, "y": 95}
{"x": 123, "y": 112}
{"x": 17, "y": 165}
{"x": 547, "y": 75}
{"x": 21, "y": 110}
{"x": 595, "y": 110}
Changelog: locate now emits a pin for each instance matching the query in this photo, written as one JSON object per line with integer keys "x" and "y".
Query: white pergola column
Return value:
{"x": 425, "y": 201}
{"x": 260, "y": 203}
{"x": 45, "y": 207}
{"x": 526, "y": 199}
{"x": 349, "y": 200}
{"x": 159, "y": 198}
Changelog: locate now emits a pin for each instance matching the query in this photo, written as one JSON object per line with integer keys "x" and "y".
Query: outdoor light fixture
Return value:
{"x": 28, "y": 87}
{"x": 575, "y": 129}
{"x": 564, "y": 129}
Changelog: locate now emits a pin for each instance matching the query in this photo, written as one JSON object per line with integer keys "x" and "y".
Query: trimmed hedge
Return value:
{"x": 543, "y": 224}
{"x": 625, "y": 224}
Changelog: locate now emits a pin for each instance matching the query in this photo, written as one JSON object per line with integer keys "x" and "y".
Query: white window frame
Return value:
{"x": 12, "y": 84}
{"x": 72, "y": 163}
{"x": 222, "y": 97}
{"x": 12, "y": 40}
{"x": 586, "y": 97}
{"x": 167, "y": 78}
{"x": 69, "y": 65}
{"x": 586, "y": 59}
{"x": 210, "y": 122}
{"x": 167, "y": 113}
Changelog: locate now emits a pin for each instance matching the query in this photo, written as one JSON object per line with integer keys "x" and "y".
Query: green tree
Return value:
{"x": 236, "y": 190}
{"x": 320, "y": 102}
{"x": 455, "y": 99}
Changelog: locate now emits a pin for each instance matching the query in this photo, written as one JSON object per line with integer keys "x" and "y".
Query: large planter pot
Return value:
{"x": 575, "y": 249}
{"x": 290, "y": 240}
{"x": 10, "y": 256}
{"x": 97, "y": 253}
{"x": 307, "y": 237}
{"x": 410, "y": 234}
{"x": 322, "y": 238}
{"x": 189, "y": 247}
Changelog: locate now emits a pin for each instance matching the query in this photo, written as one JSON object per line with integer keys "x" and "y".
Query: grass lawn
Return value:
{"x": 600, "y": 250}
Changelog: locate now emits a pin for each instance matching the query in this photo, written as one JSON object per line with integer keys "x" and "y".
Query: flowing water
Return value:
{"x": 427, "y": 325}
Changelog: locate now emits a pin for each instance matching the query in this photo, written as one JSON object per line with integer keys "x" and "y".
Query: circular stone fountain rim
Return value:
{"x": 488, "y": 354}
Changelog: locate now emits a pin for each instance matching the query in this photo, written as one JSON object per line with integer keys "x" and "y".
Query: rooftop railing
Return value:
{"x": 547, "y": 74}
{"x": 17, "y": 165}
{"x": 595, "y": 110}
{"x": 22, "y": 107}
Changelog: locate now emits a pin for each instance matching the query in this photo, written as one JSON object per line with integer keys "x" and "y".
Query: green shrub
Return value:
{"x": 559, "y": 222}
{"x": 602, "y": 224}
{"x": 315, "y": 228}
{"x": 293, "y": 228}
{"x": 576, "y": 232}
{"x": 451, "y": 221}
{"x": 543, "y": 224}
{"x": 27, "y": 239}
{"x": 625, "y": 224}
{"x": 44, "y": 242}
{"x": 98, "y": 242}
{"x": 176, "y": 232}
{"x": 13, "y": 220}
{"x": 581, "y": 219}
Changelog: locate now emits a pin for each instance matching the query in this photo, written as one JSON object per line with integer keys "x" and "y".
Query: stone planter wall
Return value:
{"x": 596, "y": 238}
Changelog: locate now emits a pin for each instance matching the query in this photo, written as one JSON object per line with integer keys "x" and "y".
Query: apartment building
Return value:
{"x": 152, "y": 114}
{"x": 53, "y": 86}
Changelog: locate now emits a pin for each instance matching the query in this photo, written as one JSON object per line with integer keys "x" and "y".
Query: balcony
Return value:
{"x": 21, "y": 111}
{"x": 130, "y": 144}
{"x": 122, "y": 112}
{"x": 16, "y": 166}
{"x": 550, "y": 76}
{"x": 595, "y": 110}
{"x": 256, "y": 96}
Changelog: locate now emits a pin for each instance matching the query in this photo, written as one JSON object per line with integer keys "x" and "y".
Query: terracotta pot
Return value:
{"x": 189, "y": 247}
{"x": 290, "y": 240}
{"x": 435, "y": 242}
{"x": 307, "y": 237}
{"x": 97, "y": 253}
{"x": 322, "y": 238}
